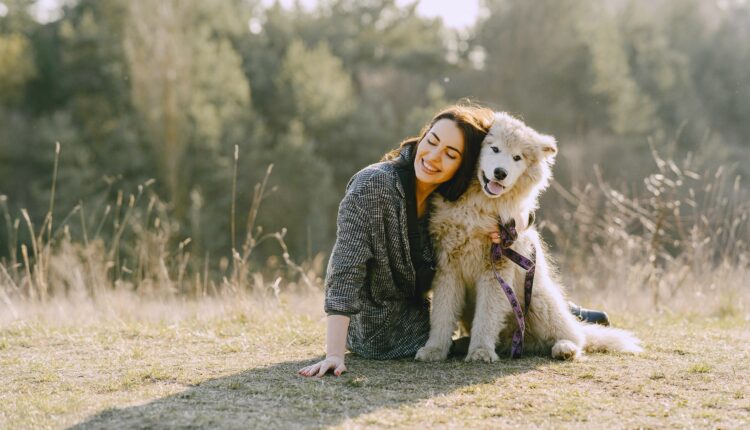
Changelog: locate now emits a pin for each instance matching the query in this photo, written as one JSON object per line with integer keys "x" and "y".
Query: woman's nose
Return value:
{"x": 432, "y": 155}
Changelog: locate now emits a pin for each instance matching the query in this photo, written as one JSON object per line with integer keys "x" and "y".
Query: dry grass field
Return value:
{"x": 231, "y": 363}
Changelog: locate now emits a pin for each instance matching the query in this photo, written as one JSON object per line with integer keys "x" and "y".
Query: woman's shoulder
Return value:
{"x": 376, "y": 180}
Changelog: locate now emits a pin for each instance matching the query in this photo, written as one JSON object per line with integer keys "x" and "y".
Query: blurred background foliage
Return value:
{"x": 166, "y": 89}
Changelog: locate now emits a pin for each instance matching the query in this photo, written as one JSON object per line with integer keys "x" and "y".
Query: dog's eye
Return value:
{"x": 516, "y": 158}
{"x": 495, "y": 149}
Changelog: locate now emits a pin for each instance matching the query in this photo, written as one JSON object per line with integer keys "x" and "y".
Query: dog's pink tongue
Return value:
{"x": 494, "y": 187}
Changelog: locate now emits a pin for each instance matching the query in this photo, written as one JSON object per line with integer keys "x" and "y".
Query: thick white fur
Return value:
{"x": 465, "y": 287}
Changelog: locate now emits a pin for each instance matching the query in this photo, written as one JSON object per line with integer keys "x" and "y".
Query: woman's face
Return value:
{"x": 439, "y": 153}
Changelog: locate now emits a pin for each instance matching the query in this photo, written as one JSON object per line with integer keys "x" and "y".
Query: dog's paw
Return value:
{"x": 431, "y": 353}
{"x": 565, "y": 350}
{"x": 482, "y": 353}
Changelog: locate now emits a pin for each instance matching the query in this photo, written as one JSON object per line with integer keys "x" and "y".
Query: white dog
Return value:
{"x": 514, "y": 167}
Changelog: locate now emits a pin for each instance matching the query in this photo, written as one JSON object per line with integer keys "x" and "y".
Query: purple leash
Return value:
{"x": 508, "y": 235}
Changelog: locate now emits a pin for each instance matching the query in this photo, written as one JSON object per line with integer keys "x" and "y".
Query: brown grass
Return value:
{"x": 681, "y": 246}
{"x": 140, "y": 254}
{"x": 231, "y": 363}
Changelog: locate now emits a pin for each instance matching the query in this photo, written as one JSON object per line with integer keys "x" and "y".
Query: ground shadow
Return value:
{"x": 275, "y": 397}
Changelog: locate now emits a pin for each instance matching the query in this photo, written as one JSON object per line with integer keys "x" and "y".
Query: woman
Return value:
{"x": 382, "y": 263}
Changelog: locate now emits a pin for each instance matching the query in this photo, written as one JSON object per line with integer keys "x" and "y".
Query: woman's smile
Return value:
{"x": 428, "y": 168}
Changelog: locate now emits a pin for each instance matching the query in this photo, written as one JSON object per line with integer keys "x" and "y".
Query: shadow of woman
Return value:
{"x": 276, "y": 397}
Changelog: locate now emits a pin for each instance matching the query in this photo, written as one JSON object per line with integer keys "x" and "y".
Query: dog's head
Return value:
{"x": 514, "y": 157}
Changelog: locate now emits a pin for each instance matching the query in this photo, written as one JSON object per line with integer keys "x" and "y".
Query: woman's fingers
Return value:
{"x": 324, "y": 368}
{"x": 321, "y": 368}
{"x": 309, "y": 370}
{"x": 340, "y": 369}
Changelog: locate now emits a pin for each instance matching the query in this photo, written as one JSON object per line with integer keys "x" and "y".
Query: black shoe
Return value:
{"x": 588, "y": 315}
{"x": 460, "y": 347}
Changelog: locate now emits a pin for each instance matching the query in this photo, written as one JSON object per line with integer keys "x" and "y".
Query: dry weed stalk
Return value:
{"x": 254, "y": 236}
{"x": 141, "y": 255}
{"x": 36, "y": 266}
{"x": 672, "y": 244}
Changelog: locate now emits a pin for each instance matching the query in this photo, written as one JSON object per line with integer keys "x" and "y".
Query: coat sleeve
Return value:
{"x": 347, "y": 267}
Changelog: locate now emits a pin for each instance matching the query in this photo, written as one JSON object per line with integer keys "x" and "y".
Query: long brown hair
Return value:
{"x": 474, "y": 123}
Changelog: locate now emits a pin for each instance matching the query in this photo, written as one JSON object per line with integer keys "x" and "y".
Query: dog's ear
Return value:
{"x": 547, "y": 145}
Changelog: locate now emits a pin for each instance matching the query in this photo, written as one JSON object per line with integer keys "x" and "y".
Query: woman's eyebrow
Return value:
{"x": 450, "y": 147}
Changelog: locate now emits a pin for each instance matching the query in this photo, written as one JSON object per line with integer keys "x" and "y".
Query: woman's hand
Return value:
{"x": 495, "y": 237}
{"x": 522, "y": 223}
{"x": 335, "y": 349}
{"x": 333, "y": 363}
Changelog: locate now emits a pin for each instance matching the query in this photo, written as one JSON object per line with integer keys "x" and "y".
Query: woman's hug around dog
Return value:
{"x": 514, "y": 167}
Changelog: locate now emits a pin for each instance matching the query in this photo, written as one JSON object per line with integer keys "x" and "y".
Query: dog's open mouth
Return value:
{"x": 492, "y": 188}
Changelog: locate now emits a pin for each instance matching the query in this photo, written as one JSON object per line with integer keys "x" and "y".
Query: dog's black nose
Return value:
{"x": 500, "y": 173}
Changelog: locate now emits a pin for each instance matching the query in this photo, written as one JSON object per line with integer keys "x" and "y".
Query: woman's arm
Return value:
{"x": 345, "y": 276}
{"x": 347, "y": 266}
{"x": 336, "y": 330}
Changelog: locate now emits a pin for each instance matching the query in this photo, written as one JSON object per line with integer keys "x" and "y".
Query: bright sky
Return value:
{"x": 47, "y": 10}
{"x": 456, "y": 14}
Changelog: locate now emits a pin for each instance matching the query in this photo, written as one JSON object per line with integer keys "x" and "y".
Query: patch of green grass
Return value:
{"x": 706, "y": 415}
{"x": 235, "y": 385}
{"x": 700, "y": 368}
{"x": 137, "y": 377}
{"x": 356, "y": 382}
{"x": 229, "y": 348}
{"x": 656, "y": 376}
{"x": 137, "y": 353}
{"x": 711, "y": 403}
{"x": 568, "y": 410}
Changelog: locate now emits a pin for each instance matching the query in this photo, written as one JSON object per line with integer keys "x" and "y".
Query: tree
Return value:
{"x": 722, "y": 74}
{"x": 314, "y": 87}
{"x": 186, "y": 81}
{"x": 17, "y": 66}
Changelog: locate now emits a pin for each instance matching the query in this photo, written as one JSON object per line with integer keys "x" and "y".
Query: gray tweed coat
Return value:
{"x": 370, "y": 275}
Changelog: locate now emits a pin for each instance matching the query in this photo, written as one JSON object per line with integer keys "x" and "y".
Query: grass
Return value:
{"x": 231, "y": 363}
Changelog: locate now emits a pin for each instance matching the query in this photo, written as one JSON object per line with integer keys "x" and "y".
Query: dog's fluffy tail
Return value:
{"x": 602, "y": 339}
